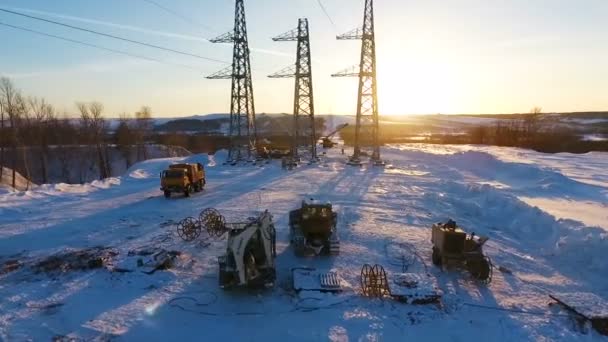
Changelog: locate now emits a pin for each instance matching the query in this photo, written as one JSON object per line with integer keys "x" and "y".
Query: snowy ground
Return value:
{"x": 6, "y": 181}
{"x": 524, "y": 201}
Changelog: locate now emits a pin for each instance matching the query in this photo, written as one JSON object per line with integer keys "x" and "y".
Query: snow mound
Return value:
{"x": 84, "y": 188}
{"x": 21, "y": 183}
{"x": 139, "y": 174}
{"x": 583, "y": 247}
{"x": 507, "y": 218}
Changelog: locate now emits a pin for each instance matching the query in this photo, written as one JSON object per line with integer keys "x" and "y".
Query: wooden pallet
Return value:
{"x": 309, "y": 279}
{"x": 586, "y": 306}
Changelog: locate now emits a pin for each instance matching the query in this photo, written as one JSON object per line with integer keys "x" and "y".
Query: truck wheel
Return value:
{"x": 480, "y": 269}
{"x": 436, "y": 257}
{"x": 201, "y": 185}
{"x": 188, "y": 190}
{"x": 167, "y": 194}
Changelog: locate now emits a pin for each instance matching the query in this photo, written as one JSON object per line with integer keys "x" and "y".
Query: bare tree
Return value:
{"x": 42, "y": 114}
{"x": 143, "y": 127}
{"x": 479, "y": 135}
{"x": 123, "y": 137}
{"x": 86, "y": 138}
{"x": 13, "y": 105}
{"x": 100, "y": 127}
{"x": 532, "y": 122}
{"x": 94, "y": 126}
{"x": 65, "y": 136}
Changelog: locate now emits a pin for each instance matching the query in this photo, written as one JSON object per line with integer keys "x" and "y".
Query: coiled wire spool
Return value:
{"x": 188, "y": 229}
{"x": 374, "y": 282}
{"x": 213, "y": 222}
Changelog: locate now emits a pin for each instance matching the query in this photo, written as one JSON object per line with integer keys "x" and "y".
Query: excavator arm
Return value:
{"x": 338, "y": 129}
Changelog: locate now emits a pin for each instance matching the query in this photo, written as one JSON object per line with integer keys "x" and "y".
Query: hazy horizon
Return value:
{"x": 472, "y": 58}
{"x": 187, "y": 116}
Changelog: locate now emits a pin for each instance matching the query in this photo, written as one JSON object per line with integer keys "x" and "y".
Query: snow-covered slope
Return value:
{"x": 78, "y": 164}
{"x": 6, "y": 181}
{"x": 380, "y": 211}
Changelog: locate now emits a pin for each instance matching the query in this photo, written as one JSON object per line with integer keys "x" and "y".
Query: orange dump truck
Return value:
{"x": 182, "y": 178}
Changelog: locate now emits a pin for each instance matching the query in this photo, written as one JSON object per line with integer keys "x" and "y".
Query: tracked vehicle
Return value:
{"x": 453, "y": 246}
{"x": 313, "y": 229}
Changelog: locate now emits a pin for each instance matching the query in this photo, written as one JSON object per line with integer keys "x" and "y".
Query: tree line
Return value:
{"x": 533, "y": 130}
{"x": 30, "y": 123}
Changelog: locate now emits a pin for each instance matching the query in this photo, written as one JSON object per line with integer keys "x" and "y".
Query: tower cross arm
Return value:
{"x": 223, "y": 74}
{"x": 227, "y": 37}
{"x": 353, "y": 71}
{"x": 287, "y": 36}
{"x": 351, "y": 35}
{"x": 287, "y": 72}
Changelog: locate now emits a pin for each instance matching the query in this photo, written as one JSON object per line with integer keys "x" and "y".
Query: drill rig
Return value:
{"x": 250, "y": 255}
{"x": 313, "y": 229}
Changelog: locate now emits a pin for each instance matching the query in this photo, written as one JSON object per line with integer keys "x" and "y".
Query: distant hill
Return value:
{"x": 219, "y": 123}
{"x": 193, "y": 125}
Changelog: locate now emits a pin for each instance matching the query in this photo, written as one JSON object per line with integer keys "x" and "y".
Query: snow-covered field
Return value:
{"x": 545, "y": 215}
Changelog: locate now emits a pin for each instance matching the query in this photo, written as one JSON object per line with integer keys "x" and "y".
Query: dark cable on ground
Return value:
{"x": 297, "y": 309}
{"x": 406, "y": 258}
{"x": 114, "y": 37}
{"x": 98, "y": 46}
{"x": 497, "y": 308}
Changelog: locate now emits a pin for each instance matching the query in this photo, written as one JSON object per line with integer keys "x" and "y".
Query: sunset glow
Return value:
{"x": 478, "y": 57}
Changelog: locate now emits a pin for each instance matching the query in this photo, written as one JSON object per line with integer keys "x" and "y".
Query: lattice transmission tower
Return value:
{"x": 367, "y": 127}
{"x": 303, "y": 132}
{"x": 243, "y": 134}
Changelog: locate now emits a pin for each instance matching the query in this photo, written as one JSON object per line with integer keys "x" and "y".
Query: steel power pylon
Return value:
{"x": 243, "y": 134}
{"x": 367, "y": 127}
{"x": 303, "y": 104}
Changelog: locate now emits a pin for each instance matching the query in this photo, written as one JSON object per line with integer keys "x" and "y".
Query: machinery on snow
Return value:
{"x": 249, "y": 260}
{"x": 183, "y": 178}
{"x": 326, "y": 140}
{"x": 452, "y": 245}
{"x": 313, "y": 229}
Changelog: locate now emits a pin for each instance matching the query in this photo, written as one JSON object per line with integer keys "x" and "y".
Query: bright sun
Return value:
{"x": 419, "y": 87}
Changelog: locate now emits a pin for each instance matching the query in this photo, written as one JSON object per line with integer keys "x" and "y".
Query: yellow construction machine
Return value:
{"x": 183, "y": 178}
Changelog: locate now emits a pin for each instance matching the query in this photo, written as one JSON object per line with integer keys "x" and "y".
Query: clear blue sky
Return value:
{"x": 465, "y": 56}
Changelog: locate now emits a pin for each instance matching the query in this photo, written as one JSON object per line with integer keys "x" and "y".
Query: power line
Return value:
{"x": 114, "y": 37}
{"x": 96, "y": 46}
{"x": 179, "y": 15}
{"x": 326, "y": 13}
